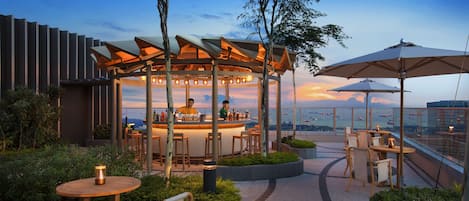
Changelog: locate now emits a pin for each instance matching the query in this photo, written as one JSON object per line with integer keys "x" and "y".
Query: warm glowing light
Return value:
{"x": 153, "y": 80}
{"x": 249, "y": 78}
{"x": 160, "y": 80}
{"x": 143, "y": 78}
{"x": 186, "y": 82}
{"x": 231, "y": 81}
{"x": 223, "y": 82}
{"x": 196, "y": 82}
{"x": 244, "y": 80}
{"x": 205, "y": 82}
{"x": 177, "y": 82}
{"x": 237, "y": 80}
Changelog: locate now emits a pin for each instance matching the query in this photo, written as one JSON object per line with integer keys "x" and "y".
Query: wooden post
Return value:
{"x": 279, "y": 113}
{"x": 149, "y": 121}
{"x": 215, "y": 110}
{"x": 113, "y": 109}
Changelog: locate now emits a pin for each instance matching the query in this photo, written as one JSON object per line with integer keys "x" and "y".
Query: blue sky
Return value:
{"x": 372, "y": 26}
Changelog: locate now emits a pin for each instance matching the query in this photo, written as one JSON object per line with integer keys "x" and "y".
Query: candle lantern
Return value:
{"x": 100, "y": 174}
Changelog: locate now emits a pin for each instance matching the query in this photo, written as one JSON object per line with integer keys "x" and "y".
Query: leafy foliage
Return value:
{"x": 295, "y": 27}
{"x": 34, "y": 174}
{"x": 296, "y": 143}
{"x": 28, "y": 120}
{"x": 102, "y": 131}
{"x": 153, "y": 188}
{"x": 257, "y": 159}
{"x": 417, "y": 194}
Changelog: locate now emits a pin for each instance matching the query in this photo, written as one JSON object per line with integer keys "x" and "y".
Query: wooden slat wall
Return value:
{"x": 38, "y": 56}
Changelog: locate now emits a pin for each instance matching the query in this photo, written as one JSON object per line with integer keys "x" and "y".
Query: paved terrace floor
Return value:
{"x": 323, "y": 177}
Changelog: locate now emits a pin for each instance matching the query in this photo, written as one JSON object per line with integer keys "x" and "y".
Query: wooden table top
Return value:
{"x": 396, "y": 149}
{"x": 86, "y": 188}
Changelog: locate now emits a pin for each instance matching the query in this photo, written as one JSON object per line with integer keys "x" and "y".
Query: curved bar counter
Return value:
{"x": 197, "y": 132}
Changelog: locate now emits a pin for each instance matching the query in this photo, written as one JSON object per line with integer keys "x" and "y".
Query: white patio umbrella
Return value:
{"x": 404, "y": 60}
{"x": 367, "y": 86}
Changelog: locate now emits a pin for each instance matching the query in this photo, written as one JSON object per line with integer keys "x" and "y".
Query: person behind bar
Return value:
{"x": 188, "y": 109}
{"x": 225, "y": 109}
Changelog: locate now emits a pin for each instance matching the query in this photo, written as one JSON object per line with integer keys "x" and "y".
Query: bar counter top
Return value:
{"x": 201, "y": 125}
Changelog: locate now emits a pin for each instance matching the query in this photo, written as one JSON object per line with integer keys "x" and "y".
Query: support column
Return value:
{"x": 215, "y": 109}
{"x": 149, "y": 121}
{"x": 113, "y": 109}
{"x": 279, "y": 113}
{"x": 120, "y": 144}
{"x": 227, "y": 91}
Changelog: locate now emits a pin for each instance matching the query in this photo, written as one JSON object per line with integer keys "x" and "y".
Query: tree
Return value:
{"x": 290, "y": 23}
{"x": 163, "y": 10}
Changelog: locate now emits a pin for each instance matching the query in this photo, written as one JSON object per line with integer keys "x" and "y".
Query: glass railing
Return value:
{"x": 429, "y": 127}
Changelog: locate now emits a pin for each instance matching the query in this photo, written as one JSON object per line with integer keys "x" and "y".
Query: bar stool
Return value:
{"x": 135, "y": 143}
{"x": 254, "y": 135}
{"x": 208, "y": 143}
{"x": 241, "y": 137}
{"x": 153, "y": 139}
{"x": 185, "y": 154}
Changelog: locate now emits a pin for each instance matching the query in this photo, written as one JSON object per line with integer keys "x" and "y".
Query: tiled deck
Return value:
{"x": 323, "y": 178}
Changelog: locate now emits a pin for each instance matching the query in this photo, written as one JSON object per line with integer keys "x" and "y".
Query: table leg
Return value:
{"x": 117, "y": 197}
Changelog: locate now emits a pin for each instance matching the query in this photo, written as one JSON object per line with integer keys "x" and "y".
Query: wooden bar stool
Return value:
{"x": 136, "y": 144}
{"x": 185, "y": 154}
{"x": 254, "y": 135}
{"x": 208, "y": 144}
{"x": 160, "y": 148}
{"x": 243, "y": 136}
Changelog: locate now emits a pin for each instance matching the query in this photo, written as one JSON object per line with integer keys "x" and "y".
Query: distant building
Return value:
{"x": 442, "y": 114}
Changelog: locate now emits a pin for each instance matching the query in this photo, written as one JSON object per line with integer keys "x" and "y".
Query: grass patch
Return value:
{"x": 257, "y": 159}
{"x": 296, "y": 143}
{"x": 153, "y": 188}
{"x": 417, "y": 194}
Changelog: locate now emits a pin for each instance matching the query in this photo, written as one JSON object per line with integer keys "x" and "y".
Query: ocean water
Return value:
{"x": 386, "y": 118}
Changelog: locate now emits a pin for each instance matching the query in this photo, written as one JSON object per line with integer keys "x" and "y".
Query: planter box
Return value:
{"x": 305, "y": 153}
{"x": 261, "y": 172}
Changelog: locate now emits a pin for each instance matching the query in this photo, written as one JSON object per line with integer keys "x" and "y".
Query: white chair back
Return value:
{"x": 375, "y": 141}
{"x": 352, "y": 141}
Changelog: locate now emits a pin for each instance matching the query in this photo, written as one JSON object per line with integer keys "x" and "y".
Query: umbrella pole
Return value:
{"x": 400, "y": 179}
{"x": 366, "y": 111}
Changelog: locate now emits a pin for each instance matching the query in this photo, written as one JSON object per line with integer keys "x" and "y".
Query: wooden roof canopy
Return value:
{"x": 190, "y": 54}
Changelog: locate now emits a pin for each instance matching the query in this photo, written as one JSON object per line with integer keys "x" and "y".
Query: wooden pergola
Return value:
{"x": 210, "y": 59}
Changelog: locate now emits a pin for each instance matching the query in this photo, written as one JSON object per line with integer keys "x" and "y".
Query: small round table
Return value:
{"x": 85, "y": 189}
{"x": 396, "y": 149}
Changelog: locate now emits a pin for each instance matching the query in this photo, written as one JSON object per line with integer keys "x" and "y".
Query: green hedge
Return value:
{"x": 296, "y": 143}
{"x": 34, "y": 174}
{"x": 256, "y": 159}
{"x": 153, "y": 188}
{"x": 417, "y": 194}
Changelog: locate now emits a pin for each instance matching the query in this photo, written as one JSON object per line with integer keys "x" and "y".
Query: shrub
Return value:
{"x": 296, "y": 143}
{"x": 33, "y": 175}
{"x": 28, "y": 120}
{"x": 257, "y": 159}
{"x": 153, "y": 188}
{"x": 102, "y": 131}
{"x": 417, "y": 194}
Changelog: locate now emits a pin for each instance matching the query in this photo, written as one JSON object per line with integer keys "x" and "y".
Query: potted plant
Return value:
{"x": 304, "y": 148}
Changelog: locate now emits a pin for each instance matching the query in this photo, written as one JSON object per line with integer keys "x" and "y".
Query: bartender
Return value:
{"x": 188, "y": 109}
{"x": 225, "y": 109}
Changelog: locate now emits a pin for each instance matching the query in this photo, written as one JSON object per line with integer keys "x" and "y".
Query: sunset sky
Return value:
{"x": 372, "y": 26}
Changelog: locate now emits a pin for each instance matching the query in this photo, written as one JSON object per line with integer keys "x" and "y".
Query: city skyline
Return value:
{"x": 372, "y": 26}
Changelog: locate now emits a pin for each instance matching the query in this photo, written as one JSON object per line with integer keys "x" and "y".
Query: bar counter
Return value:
{"x": 197, "y": 132}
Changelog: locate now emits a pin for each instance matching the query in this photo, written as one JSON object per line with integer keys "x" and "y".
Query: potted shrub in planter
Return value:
{"x": 257, "y": 167}
{"x": 101, "y": 135}
{"x": 304, "y": 148}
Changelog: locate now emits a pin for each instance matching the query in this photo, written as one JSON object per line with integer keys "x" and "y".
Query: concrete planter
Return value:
{"x": 261, "y": 172}
{"x": 305, "y": 153}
